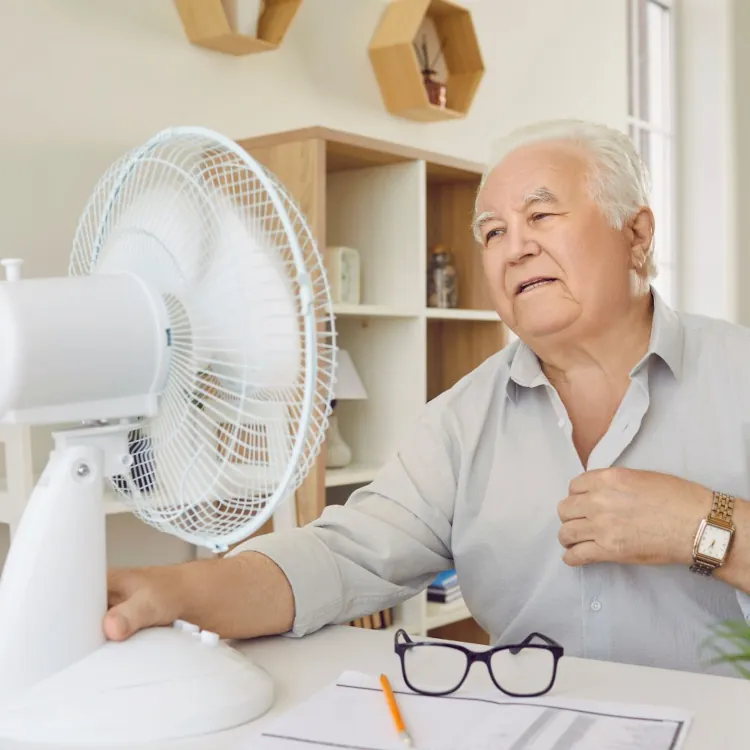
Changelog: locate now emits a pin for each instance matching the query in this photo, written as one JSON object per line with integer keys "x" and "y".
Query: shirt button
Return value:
{"x": 596, "y": 605}
{"x": 561, "y": 422}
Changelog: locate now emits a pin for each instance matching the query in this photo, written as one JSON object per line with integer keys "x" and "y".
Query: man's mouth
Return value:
{"x": 535, "y": 283}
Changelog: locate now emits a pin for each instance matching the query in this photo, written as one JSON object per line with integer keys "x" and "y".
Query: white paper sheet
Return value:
{"x": 352, "y": 714}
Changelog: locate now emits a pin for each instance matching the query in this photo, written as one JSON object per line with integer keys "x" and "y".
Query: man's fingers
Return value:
{"x": 576, "y": 531}
{"x": 116, "y": 625}
{"x": 585, "y": 482}
{"x": 119, "y": 586}
{"x": 131, "y": 615}
{"x": 574, "y": 506}
{"x": 613, "y": 477}
{"x": 584, "y": 553}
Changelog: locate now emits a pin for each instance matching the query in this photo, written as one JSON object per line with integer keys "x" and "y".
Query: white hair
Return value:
{"x": 618, "y": 180}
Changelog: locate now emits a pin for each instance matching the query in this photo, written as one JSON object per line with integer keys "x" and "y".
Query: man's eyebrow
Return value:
{"x": 540, "y": 195}
{"x": 479, "y": 221}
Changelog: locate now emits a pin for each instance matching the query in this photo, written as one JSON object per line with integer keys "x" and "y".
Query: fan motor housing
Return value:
{"x": 81, "y": 348}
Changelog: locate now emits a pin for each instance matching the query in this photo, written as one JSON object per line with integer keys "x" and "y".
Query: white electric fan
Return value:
{"x": 188, "y": 362}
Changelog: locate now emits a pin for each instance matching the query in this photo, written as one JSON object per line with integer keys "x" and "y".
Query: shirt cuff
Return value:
{"x": 312, "y": 573}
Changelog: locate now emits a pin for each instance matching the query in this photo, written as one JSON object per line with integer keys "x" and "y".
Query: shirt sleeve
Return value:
{"x": 385, "y": 545}
{"x": 744, "y": 602}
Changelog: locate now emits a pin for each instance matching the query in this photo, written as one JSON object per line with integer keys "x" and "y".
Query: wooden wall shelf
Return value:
{"x": 397, "y": 67}
{"x": 207, "y": 24}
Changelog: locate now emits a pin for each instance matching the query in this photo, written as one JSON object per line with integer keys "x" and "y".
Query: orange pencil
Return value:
{"x": 395, "y": 713}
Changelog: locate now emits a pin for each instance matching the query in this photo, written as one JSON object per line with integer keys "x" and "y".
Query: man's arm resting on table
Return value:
{"x": 240, "y": 596}
{"x": 384, "y": 546}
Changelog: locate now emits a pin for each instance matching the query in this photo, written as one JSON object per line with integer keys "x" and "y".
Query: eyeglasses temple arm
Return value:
{"x": 515, "y": 649}
{"x": 404, "y": 634}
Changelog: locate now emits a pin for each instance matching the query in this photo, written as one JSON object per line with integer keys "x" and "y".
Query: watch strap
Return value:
{"x": 721, "y": 512}
{"x": 702, "y": 568}
{"x": 722, "y": 508}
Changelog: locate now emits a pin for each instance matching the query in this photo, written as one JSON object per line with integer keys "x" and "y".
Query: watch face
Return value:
{"x": 714, "y": 542}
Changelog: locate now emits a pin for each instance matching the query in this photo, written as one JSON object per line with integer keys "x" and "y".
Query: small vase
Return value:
{"x": 436, "y": 90}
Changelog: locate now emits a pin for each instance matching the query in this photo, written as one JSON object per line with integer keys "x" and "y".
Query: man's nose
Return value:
{"x": 521, "y": 245}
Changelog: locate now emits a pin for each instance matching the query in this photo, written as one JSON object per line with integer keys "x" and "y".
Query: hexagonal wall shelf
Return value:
{"x": 397, "y": 65}
{"x": 207, "y": 24}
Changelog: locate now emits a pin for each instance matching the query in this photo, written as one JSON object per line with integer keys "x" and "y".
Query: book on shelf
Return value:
{"x": 446, "y": 579}
{"x": 444, "y": 589}
{"x": 444, "y": 597}
{"x": 374, "y": 621}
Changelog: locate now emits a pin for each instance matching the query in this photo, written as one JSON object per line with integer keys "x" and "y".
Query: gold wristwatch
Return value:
{"x": 714, "y": 537}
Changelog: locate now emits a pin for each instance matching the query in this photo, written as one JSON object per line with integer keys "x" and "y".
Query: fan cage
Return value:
{"x": 246, "y": 403}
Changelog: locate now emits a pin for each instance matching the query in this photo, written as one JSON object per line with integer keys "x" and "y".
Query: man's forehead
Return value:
{"x": 541, "y": 171}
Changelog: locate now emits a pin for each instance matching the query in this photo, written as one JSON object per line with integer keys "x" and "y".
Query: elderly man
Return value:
{"x": 582, "y": 480}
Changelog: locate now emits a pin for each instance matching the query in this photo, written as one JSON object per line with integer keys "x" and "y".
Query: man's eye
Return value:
{"x": 493, "y": 233}
{"x": 534, "y": 217}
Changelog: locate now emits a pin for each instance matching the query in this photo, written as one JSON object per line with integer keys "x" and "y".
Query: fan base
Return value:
{"x": 162, "y": 683}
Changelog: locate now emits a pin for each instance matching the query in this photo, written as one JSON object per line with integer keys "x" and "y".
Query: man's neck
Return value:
{"x": 609, "y": 354}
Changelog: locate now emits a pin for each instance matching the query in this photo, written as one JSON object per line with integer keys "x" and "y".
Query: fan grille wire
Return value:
{"x": 241, "y": 418}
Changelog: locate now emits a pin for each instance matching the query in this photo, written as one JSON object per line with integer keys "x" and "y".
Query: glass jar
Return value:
{"x": 442, "y": 278}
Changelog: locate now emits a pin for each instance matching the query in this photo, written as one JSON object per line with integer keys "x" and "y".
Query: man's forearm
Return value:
{"x": 240, "y": 596}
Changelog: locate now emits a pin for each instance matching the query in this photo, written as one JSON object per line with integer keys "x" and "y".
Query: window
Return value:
{"x": 650, "y": 122}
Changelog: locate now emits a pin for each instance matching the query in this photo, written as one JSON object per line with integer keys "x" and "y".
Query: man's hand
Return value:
{"x": 141, "y": 598}
{"x": 241, "y": 596}
{"x": 631, "y": 517}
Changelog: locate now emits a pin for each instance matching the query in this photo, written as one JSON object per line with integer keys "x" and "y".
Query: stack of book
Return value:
{"x": 376, "y": 621}
{"x": 444, "y": 589}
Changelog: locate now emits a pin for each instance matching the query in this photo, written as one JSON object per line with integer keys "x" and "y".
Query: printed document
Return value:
{"x": 352, "y": 714}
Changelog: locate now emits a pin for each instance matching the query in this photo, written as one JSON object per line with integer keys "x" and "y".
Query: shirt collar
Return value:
{"x": 666, "y": 343}
{"x": 667, "y": 337}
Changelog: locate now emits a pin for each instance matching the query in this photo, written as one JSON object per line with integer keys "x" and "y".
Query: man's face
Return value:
{"x": 538, "y": 221}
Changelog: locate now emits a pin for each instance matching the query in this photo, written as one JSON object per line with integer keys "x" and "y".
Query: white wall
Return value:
{"x": 83, "y": 80}
{"x": 741, "y": 67}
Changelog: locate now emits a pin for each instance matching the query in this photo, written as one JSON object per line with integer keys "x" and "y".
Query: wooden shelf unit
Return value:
{"x": 206, "y": 24}
{"x": 397, "y": 67}
{"x": 392, "y": 203}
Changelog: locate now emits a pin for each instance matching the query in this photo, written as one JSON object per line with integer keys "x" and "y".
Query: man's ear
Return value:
{"x": 641, "y": 236}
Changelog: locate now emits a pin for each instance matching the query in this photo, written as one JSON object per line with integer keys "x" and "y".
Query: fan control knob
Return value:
{"x": 209, "y": 638}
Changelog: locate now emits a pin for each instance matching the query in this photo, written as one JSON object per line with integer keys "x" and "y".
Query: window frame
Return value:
{"x": 668, "y": 260}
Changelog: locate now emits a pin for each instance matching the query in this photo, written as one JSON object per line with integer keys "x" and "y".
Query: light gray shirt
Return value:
{"x": 477, "y": 484}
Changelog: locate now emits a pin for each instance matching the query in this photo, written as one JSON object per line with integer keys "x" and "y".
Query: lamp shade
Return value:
{"x": 347, "y": 384}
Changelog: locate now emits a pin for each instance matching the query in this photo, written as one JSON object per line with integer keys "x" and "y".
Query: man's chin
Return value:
{"x": 542, "y": 326}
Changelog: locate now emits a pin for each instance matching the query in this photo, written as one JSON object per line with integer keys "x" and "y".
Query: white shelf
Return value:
{"x": 355, "y": 473}
{"x": 438, "y": 615}
{"x": 438, "y": 313}
{"x": 374, "y": 311}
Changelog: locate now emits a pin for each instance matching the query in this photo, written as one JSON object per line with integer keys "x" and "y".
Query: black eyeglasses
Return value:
{"x": 523, "y": 670}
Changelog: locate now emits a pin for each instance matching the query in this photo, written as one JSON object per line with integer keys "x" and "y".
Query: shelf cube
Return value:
{"x": 207, "y": 24}
{"x": 397, "y": 67}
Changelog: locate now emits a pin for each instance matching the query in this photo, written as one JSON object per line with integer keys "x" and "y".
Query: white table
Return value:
{"x": 300, "y": 667}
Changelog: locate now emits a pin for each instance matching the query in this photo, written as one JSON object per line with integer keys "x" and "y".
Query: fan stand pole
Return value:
{"x": 53, "y": 591}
